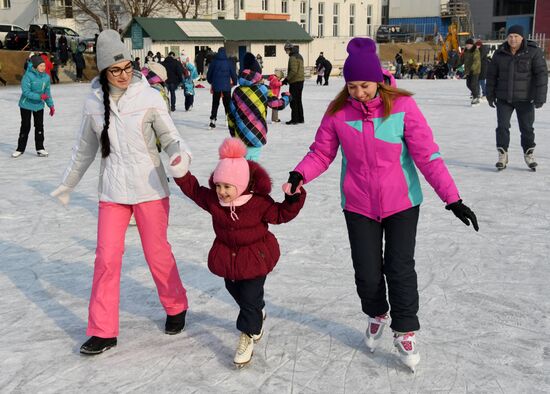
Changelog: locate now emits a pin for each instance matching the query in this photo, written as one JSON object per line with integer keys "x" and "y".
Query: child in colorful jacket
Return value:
{"x": 382, "y": 136}
{"x": 248, "y": 110}
{"x": 244, "y": 250}
{"x": 35, "y": 91}
{"x": 275, "y": 90}
{"x": 189, "y": 84}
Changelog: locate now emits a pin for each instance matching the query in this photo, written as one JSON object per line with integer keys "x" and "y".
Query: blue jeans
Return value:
{"x": 483, "y": 86}
{"x": 172, "y": 87}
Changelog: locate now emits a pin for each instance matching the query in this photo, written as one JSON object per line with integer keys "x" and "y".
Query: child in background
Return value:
{"x": 244, "y": 251}
{"x": 275, "y": 88}
{"x": 320, "y": 73}
{"x": 156, "y": 76}
{"x": 248, "y": 110}
{"x": 55, "y": 69}
{"x": 189, "y": 84}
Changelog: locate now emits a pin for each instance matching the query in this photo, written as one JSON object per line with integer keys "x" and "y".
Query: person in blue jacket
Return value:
{"x": 189, "y": 84}
{"x": 35, "y": 87}
{"x": 221, "y": 75}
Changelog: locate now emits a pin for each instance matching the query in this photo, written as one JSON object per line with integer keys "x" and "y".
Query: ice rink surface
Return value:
{"x": 484, "y": 297}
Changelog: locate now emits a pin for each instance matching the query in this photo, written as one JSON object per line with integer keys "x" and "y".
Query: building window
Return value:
{"x": 369, "y": 20}
{"x": 69, "y": 9}
{"x": 303, "y": 14}
{"x": 284, "y": 6}
{"x": 335, "y": 19}
{"x": 221, "y": 5}
{"x": 352, "y": 20}
{"x": 270, "y": 50}
{"x": 321, "y": 19}
{"x": 241, "y": 2}
{"x": 265, "y": 5}
{"x": 5, "y": 4}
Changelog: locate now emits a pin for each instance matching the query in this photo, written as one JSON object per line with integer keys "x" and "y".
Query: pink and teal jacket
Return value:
{"x": 378, "y": 177}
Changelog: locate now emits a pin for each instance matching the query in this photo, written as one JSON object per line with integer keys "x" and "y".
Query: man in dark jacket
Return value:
{"x": 472, "y": 68}
{"x": 174, "y": 73}
{"x": 398, "y": 63}
{"x": 295, "y": 79}
{"x": 221, "y": 76}
{"x": 517, "y": 79}
{"x": 328, "y": 68}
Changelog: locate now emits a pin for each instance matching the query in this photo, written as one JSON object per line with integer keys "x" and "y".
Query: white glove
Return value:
{"x": 63, "y": 194}
{"x": 179, "y": 165}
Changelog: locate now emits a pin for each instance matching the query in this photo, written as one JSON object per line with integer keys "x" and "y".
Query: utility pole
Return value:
{"x": 108, "y": 15}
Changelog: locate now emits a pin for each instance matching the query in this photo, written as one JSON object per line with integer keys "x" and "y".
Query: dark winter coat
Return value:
{"x": 174, "y": 70}
{"x": 295, "y": 69}
{"x": 484, "y": 56}
{"x": 79, "y": 61}
{"x": 244, "y": 248}
{"x": 472, "y": 61}
{"x": 221, "y": 72}
{"x": 519, "y": 77}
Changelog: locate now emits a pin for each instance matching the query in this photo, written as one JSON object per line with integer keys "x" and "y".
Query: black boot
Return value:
{"x": 97, "y": 345}
{"x": 175, "y": 324}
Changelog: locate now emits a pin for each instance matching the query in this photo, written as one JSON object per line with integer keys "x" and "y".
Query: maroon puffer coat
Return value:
{"x": 244, "y": 248}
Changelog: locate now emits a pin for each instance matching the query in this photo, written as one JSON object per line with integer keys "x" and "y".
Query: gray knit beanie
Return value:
{"x": 110, "y": 49}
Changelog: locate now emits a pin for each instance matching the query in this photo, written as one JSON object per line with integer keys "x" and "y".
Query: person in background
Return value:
{"x": 275, "y": 91}
{"x": 174, "y": 71}
{"x": 398, "y": 63}
{"x": 221, "y": 76}
{"x": 54, "y": 74}
{"x": 79, "y": 62}
{"x": 484, "y": 57}
{"x": 517, "y": 80}
{"x": 295, "y": 80}
{"x": 472, "y": 68}
{"x": 35, "y": 91}
{"x": 189, "y": 84}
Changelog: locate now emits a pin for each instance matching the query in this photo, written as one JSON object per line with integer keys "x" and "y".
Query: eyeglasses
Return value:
{"x": 117, "y": 71}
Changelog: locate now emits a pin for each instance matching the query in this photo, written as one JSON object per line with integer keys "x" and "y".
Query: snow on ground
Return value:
{"x": 484, "y": 306}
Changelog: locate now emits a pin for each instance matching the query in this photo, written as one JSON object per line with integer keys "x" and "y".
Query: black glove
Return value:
{"x": 491, "y": 102}
{"x": 292, "y": 198}
{"x": 538, "y": 105}
{"x": 294, "y": 179}
{"x": 464, "y": 213}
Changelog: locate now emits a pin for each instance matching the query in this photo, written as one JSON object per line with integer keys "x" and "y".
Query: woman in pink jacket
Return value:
{"x": 382, "y": 136}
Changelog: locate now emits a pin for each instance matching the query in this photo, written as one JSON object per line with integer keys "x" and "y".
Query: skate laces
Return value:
{"x": 244, "y": 342}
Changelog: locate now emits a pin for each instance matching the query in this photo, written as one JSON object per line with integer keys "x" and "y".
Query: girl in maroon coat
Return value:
{"x": 244, "y": 251}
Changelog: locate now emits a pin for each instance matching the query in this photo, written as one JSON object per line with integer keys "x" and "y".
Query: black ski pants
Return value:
{"x": 472, "y": 82}
{"x": 226, "y": 100}
{"x": 26, "y": 128}
{"x": 383, "y": 252}
{"x": 296, "y": 108}
{"x": 172, "y": 87}
{"x": 525, "y": 112}
{"x": 249, "y": 295}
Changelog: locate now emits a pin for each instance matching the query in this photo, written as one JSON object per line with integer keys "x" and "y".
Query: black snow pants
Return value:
{"x": 249, "y": 295}
{"x": 26, "y": 128}
{"x": 525, "y": 112}
{"x": 383, "y": 252}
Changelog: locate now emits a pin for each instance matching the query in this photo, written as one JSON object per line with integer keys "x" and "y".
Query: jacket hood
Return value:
{"x": 249, "y": 78}
{"x": 260, "y": 182}
{"x": 221, "y": 54}
{"x": 294, "y": 50}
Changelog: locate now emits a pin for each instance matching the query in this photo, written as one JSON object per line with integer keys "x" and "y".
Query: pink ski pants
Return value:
{"x": 152, "y": 223}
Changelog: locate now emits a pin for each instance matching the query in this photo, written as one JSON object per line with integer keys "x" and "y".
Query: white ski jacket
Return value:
{"x": 133, "y": 172}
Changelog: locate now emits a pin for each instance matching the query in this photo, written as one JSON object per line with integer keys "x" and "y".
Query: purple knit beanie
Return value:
{"x": 362, "y": 63}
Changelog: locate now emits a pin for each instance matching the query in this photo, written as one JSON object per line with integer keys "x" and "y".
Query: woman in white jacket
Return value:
{"x": 122, "y": 117}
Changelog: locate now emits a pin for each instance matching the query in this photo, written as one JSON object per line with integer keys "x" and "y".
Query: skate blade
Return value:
{"x": 41, "y": 155}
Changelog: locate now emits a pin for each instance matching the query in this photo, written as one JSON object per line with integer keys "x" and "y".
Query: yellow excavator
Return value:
{"x": 450, "y": 43}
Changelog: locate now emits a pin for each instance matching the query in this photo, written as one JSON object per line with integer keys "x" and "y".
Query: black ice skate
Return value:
{"x": 97, "y": 345}
{"x": 175, "y": 324}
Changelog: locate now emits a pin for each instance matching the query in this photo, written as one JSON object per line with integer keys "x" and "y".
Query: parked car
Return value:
{"x": 20, "y": 39}
{"x": 389, "y": 33}
{"x": 4, "y": 30}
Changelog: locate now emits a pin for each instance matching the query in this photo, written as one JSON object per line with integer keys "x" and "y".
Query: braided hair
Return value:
{"x": 104, "y": 139}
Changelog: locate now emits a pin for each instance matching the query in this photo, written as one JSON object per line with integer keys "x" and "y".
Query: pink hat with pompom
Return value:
{"x": 233, "y": 168}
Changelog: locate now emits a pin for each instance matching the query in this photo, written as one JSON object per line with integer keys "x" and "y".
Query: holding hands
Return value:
{"x": 179, "y": 165}
{"x": 294, "y": 183}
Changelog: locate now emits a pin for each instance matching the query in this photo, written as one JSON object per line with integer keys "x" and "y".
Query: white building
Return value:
{"x": 24, "y": 13}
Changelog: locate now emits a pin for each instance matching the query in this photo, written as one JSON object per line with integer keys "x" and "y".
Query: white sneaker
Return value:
{"x": 529, "y": 157}
{"x": 406, "y": 347}
{"x": 257, "y": 337}
{"x": 375, "y": 330}
{"x": 42, "y": 153}
{"x": 502, "y": 159}
{"x": 245, "y": 348}
{"x": 475, "y": 102}
{"x": 16, "y": 154}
